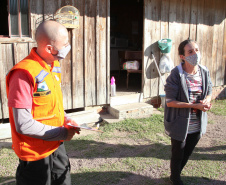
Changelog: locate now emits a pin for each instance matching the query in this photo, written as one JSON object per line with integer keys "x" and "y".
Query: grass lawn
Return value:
{"x": 137, "y": 151}
{"x": 219, "y": 107}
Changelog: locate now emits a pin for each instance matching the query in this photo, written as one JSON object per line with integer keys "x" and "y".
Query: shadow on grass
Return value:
{"x": 111, "y": 178}
{"x": 203, "y": 153}
{"x": 7, "y": 181}
{"x": 93, "y": 149}
{"x": 5, "y": 144}
{"x": 122, "y": 178}
{"x": 127, "y": 178}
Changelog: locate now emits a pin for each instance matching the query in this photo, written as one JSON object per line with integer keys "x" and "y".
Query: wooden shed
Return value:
{"x": 107, "y": 27}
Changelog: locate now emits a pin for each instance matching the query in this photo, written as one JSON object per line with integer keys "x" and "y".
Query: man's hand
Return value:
{"x": 72, "y": 122}
{"x": 70, "y": 134}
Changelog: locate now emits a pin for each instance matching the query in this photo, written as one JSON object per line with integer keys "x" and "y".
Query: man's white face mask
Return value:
{"x": 62, "y": 53}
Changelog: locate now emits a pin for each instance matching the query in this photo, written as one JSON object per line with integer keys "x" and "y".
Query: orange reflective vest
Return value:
{"x": 47, "y": 106}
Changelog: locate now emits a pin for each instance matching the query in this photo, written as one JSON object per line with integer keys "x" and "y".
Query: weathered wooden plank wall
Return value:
{"x": 6, "y": 63}
{"x": 90, "y": 52}
{"x": 36, "y": 13}
{"x": 220, "y": 29}
{"x": 78, "y": 98}
{"x": 108, "y": 51}
{"x": 164, "y": 34}
{"x": 101, "y": 52}
{"x": 224, "y": 52}
{"x": 203, "y": 21}
{"x": 147, "y": 52}
{"x": 85, "y": 70}
{"x": 205, "y": 31}
{"x": 210, "y": 34}
{"x": 193, "y": 21}
{"x": 152, "y": 32}
{"x": 2, "y": 81}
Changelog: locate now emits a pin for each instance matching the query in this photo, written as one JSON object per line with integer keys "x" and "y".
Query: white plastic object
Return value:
{"x": 166, "y": 63}
{"x": 163, "y": 100}
{"x": 131, "y": 65}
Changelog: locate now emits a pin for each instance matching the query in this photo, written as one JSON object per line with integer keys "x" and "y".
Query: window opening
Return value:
{"x": 4, "y": 31}
{"x": 14, "y": 14}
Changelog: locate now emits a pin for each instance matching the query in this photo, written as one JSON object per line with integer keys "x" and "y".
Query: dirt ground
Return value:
{"x": 215, "y": 134}
{"x": 215, "y": 131}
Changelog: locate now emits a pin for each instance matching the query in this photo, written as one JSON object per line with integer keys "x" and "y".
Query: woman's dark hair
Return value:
{"x": 182, "y": 45}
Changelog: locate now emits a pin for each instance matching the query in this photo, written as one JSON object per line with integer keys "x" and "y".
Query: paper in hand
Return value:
{"x": 84, "y": 126}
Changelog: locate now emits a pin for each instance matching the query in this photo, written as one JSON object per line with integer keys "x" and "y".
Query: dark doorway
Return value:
{"x": 126, "y": 34}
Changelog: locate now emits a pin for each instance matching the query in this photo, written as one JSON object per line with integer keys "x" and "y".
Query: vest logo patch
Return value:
{"x": 42, "y": 89}
{"x": 38, "y": 94}
{"x": 42, "y": 86}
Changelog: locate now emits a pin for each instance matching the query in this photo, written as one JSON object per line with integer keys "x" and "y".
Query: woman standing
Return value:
{"x": 188, "y": 95}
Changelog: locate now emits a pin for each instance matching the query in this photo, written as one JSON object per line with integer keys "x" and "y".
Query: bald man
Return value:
{"x": 38, "y": 121}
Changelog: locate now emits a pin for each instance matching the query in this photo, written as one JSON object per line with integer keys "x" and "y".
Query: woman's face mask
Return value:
{"x": 62, "y": 53}
{"x": 193, "y": 59}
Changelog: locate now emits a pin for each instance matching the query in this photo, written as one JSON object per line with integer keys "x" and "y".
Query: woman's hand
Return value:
{"x": 206, "y": 102}
{"x": 202, "y": 107}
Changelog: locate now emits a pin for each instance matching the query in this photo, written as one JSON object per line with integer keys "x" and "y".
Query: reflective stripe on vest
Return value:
{"x": 56, "y": 70}
{"x": 40, "y": 77}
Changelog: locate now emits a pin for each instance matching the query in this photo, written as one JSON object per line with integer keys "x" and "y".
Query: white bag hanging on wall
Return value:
{"x": 166, "y": 63}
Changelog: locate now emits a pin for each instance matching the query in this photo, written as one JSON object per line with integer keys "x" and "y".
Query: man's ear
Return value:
{"x": 48, "y": 48}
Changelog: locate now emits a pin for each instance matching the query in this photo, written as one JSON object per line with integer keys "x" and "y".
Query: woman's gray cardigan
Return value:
{"x": 176, "y": 120}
